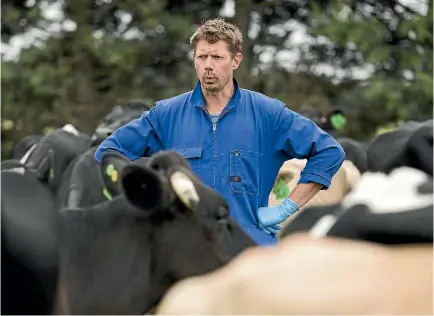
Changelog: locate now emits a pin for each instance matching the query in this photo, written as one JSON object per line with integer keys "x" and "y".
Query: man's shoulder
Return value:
{"x": 262, "y": 101}
{"x": 174, "y": 102}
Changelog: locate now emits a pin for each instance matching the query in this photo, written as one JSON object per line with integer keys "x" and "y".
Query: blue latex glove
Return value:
{"x": 270, "y": 217}
{"x": 270, "y": 230}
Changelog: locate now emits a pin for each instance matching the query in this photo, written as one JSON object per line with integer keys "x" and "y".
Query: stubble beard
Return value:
{"x": 211, "y": 87}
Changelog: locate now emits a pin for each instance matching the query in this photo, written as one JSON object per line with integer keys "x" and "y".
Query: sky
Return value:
{"x": 288, "y": 58}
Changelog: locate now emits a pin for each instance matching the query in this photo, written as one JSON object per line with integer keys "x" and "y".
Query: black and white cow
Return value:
{"x": 386, "y": 209}
{"x": 64, "y": 157}
{"x": 118, "y": 116}
{"x": 409, "y": 145}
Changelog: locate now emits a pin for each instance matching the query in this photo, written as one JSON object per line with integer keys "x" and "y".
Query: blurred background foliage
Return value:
{"x": 372, "y": 58}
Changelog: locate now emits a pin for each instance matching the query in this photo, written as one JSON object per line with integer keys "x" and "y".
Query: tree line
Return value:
{"x": 371, "y": 58}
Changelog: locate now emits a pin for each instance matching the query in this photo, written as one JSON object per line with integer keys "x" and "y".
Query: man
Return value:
{"x": 235, "y": 139}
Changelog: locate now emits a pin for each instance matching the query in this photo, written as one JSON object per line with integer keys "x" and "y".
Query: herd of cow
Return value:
{"x": 78, "y": 238}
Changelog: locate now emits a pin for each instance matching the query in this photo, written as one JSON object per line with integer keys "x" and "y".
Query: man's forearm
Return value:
{"x": 303, "y": 192}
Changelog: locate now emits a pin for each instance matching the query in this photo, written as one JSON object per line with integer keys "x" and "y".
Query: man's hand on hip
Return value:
{"x": 270, "y": 217}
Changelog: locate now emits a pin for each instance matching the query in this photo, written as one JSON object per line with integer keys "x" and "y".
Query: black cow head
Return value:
{"x": 163, "y": 225}
{"x": 165, "y": 189}
{"x": 54, "y": 152}
{"x": 22, "y": 147}
{"x": 118, "y": 116}
{"x": 333, "y": 120}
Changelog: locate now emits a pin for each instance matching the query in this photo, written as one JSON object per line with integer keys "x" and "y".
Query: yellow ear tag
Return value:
{"x": 114, "y": 176}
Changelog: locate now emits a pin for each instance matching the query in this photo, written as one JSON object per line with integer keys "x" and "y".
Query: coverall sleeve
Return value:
{"x": 299, "y": 137}
{"x": 140, "y": 137}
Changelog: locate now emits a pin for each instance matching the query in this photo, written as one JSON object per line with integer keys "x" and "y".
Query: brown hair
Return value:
{"x": 218, "y": 29}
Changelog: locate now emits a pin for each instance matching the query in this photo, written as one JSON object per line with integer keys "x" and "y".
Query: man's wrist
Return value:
{"x": 289, "y": 206}
{"x": 303, "y": 192}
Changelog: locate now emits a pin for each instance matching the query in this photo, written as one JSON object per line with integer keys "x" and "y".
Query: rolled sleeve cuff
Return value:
{"x": 317, "y": 177}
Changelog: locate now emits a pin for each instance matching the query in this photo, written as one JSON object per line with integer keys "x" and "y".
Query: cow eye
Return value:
{"x": 221, "y": 213}
{"x": 156, "y": 166}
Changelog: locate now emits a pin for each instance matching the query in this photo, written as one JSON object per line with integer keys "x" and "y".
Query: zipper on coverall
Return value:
{"x": 214, "y": 129}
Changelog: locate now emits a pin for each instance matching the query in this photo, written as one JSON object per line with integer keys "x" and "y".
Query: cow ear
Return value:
{"x": 146, "y": 188}
{"x": 112, "y": 164}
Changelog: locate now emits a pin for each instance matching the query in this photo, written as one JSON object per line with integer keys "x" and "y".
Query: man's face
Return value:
{"x": 215, "y": 64}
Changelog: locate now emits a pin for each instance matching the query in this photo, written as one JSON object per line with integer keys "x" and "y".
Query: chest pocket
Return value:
{"x": 192, "y": 155}
{"x": 244, "y": 171}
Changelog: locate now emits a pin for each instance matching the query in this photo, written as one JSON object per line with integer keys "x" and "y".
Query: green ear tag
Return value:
{"x": 107, "y": 194}
{"x": 281, "y": 190}
{"x": 109, "y": 170}
{"x": 51, "y": 174}
{"x": 338, "y": 121}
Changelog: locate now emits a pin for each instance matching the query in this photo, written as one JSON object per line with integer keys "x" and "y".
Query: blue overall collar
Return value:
{"x": 198, "y": 99}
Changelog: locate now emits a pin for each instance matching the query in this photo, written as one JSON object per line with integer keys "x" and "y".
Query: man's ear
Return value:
{"x": 238, "y": 57}
{"x": 111, "y": 165}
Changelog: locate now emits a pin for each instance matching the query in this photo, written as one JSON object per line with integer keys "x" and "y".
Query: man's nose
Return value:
{"x": 208, "y": 63}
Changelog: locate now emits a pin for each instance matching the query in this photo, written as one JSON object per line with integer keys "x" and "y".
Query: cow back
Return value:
{"x": 28, "y": 230}
{"x": 409, "y": 146}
